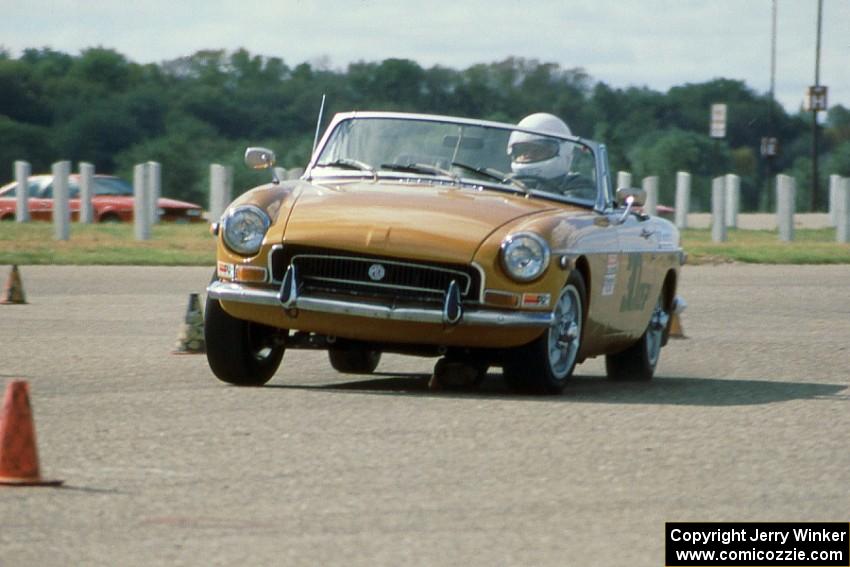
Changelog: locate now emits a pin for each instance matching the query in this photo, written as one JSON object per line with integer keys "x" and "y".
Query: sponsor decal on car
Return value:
{"x": 227, "y": 271}
{"x": 609, "y": 282}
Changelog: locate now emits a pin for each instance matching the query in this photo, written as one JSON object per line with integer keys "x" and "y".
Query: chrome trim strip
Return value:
{"x": 288, "y": 294}
{"x": 376, "y": 284}
{"x": 227, "y": 291}
{"x": 482, "y": 279}
{"x": 269, "y": 256}
{"x": 452, "y": 306}
{"x": 587, "y": 251}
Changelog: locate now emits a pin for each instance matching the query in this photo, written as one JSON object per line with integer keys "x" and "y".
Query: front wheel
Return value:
{"x": 240, "y": 352}
{"x": 544, "y": 365}
{"x": 637, "y": 363}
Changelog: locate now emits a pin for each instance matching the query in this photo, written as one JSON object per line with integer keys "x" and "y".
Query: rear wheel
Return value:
{"x": 110, "y": 218}
{"x": 354, "y": 360}
{"x": 240, "y": 352}
{"x": 544, "y": 365}
{"x": 637, "y": 363}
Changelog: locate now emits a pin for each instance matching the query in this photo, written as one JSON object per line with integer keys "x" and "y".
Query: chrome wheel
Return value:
{"x": 240, "y": 352}
{"x": 638, "y": 362}
{"x": 655, "y": 332}
{"x": 565, "y": 334}
{"x": 545, "y": 365}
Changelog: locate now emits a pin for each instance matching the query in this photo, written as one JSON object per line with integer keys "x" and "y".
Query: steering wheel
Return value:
{"x": 532, "y": 181}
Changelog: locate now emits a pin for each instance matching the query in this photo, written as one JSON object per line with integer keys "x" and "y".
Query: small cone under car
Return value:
{"x": 190, "y": 339}
{"x": 13, "y": 292}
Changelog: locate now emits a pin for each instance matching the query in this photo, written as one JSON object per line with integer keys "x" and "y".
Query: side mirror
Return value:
{"x": 259, "y": 158}
{"x": 638, "y": 196}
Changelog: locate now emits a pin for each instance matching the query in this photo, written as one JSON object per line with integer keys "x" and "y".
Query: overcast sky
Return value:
{"x": 654, "y": 43}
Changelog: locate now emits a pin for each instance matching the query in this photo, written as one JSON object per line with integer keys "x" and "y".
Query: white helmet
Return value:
{"x": 539, "y": 156}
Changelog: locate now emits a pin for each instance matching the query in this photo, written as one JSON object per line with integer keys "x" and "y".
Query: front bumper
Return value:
{"x": 288, "y": 299}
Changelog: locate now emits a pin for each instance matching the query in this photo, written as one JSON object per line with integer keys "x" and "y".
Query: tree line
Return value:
{"x": 186, "y": 113}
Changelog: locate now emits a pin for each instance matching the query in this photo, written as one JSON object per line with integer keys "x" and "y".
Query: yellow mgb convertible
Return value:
{"x": 481, "y": 243}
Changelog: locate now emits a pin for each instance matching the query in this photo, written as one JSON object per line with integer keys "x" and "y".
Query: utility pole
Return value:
{"x": 816, "y": 106}
{"x": 770, "y": 143}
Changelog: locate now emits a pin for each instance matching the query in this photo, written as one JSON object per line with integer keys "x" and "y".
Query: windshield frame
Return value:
{"x": 604, "y": 198}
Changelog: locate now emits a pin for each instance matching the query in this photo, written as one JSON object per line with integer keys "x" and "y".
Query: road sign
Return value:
{"x": 815, "y": 98}
{"x": 718, "y": 121}
{"x": 769, "y": 146}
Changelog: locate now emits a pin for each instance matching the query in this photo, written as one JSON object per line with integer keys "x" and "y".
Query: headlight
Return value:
{"x": 525, "y": 256}
{"x": 244, "y": 229}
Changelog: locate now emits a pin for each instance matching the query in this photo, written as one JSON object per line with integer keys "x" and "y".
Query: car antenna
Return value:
{"x": 319, "y": 124}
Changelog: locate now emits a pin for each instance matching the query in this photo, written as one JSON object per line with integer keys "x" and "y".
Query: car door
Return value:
{"x": 639, "y": 278}
{"x": 41, "y": 204}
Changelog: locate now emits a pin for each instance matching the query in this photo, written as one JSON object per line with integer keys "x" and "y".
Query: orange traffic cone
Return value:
{"x": 190, "y": 340}
{"x": 676, "y": 330}
{"x": 18, "y": 454}
{"x": 14, "y": 290}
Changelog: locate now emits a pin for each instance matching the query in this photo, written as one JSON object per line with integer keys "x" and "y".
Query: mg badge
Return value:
{"x": 377, "y": 272}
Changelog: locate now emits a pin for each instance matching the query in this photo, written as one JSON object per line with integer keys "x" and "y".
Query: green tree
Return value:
{"x": 839, "y": 160}
{"x": 665, "y": 152}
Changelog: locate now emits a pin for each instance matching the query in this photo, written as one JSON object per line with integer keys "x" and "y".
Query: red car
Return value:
{"x": 112, "y": 201}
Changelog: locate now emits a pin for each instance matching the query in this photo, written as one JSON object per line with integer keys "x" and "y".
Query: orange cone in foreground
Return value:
{"x": 18, "y": 454}
{"x": 676, "y": 330}
{"x": 14, "y": 290}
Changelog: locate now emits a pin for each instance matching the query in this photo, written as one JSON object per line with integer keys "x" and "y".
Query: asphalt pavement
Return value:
{"x": 746, "y": 420}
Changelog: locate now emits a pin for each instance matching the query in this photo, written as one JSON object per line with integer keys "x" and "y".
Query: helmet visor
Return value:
{"x": 534, "y": 150}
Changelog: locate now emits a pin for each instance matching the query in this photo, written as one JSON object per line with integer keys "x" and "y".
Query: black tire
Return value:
{"x": 110, "y": 218}
{"x": 240, "y": 352}
{"x": 530, "y": 368}
{"x": 354, "y": 360}
{"x": 637, "y": 363}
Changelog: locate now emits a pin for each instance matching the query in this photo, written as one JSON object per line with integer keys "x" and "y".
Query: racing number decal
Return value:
{"x": 637, "y": 292}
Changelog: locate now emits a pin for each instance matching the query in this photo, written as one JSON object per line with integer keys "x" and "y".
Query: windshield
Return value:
{"x": 481, "y": 154}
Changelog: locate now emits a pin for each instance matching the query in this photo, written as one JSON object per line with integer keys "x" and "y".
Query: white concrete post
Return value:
{"x": 834, "y": 185}
{"x": 154, "y": 190}
{"x": 683, "y": 198}
{"x": 650, "y": 185}
{"x": 624, "y": 179}
{"x": 221, "y": 184}
{"x": 61, "y": 208}
{"x": 141, "y": 208}
{"x": 86, "y": 192}
{"x": 785, "y": 206}
{"x": 842, "y": 210}
{"x": 733, "y": 199}
{"x": 718, "y": 210}
{"x": 22, "y": 174}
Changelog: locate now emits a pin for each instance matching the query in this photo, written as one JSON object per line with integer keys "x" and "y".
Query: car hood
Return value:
{"x": 416, "y": 221}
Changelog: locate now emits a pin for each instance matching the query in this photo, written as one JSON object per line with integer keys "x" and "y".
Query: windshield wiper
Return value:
{"x": 492, "y": 174}
{"x": 348, "y": 163}
{"x": 418, "y": 168}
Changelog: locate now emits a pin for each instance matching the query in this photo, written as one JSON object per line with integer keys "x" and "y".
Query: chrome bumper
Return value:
{"x": 284, "y": 299}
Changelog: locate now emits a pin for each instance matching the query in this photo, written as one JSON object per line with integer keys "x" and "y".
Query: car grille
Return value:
{"x": 339, "y": 272}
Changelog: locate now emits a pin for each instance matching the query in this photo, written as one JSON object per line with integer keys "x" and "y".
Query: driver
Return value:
{"x": 542, "y": 162}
